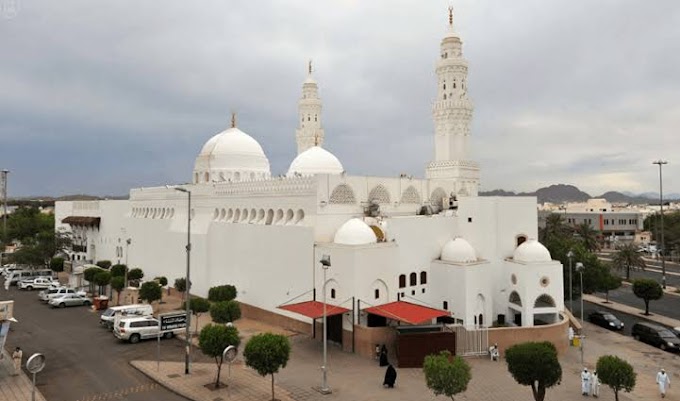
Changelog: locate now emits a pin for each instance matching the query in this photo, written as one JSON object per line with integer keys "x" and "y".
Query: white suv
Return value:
{"x": 140, "y": 328}
{"x": 48, "y": 294}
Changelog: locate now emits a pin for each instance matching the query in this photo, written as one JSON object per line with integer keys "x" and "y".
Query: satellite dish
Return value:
{"x": 35, "y": 363}
{"x": 229, "y": 353}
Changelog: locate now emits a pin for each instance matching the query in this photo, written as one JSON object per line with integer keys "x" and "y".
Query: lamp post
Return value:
{"x": 579, "y": 269}
{"x": 127, "y": 247}
{"x": 4, "y": 203}
{"x": 663, "y": 248}
{"x": 570, "y": 255}
{"x": 188, "y": 281}
{"x": 325, "y": 264}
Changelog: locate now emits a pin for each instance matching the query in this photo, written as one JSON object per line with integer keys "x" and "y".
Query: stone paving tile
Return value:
{"x": 15, "y": 388}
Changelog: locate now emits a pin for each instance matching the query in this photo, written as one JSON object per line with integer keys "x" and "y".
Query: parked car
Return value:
{"x": 65, "y": 300}
{"x": 656, "y": 335}
{"x": 136, "y": 310}
{"x": 47, "y": 295}
{"x": 37, "y": 283}
{"x": 134, "y": 329}
{"x": 606, "y": 320}
{"x": 17, "y": 276}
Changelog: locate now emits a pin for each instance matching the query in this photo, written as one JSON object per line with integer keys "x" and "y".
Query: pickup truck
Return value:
{"x": 37, "y": 283}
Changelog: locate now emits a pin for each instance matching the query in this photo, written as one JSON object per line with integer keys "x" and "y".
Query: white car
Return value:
{"x": 141, "y": 328}
{"x": 65, "y": 300}
{"x": 48, "y": 294}
{"x": 37, "y": 283}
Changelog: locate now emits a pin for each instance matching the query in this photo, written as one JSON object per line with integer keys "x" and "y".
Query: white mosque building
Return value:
{"x": 403, "y": 250}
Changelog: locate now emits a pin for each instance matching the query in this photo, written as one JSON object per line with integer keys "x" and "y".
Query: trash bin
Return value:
{"x": 576, "y": 342}
{"x": 101, "y": 303}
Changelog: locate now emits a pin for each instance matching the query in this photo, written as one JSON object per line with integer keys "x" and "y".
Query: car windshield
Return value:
{"x": 666, "y": 334}
{"x": 609, "y": 316}
{"x": 108, "y": 312}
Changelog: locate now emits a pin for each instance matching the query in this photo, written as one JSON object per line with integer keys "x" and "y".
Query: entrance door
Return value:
{"x": 334, "y": 328}
{"x": 518, "y": 319}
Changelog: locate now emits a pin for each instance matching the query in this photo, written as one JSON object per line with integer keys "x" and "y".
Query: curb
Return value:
{"x": 188, "y": 396}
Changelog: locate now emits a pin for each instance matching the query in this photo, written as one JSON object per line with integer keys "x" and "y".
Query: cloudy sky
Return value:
{"x": 101, "y": 96}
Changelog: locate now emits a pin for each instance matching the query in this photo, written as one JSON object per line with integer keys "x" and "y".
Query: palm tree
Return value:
{"x": 627, "y": 257}
{"x": 555, "y": 227}
{"x": 588, "y": 236}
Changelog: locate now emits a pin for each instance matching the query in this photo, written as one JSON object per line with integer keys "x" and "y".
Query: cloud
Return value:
{"x": 100, "y": 98}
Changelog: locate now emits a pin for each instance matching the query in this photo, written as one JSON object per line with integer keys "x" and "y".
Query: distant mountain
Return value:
{"x": 568, "y": 193}
{"x": 561, "y": 193}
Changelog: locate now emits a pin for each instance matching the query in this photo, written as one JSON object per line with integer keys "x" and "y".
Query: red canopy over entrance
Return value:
{"x": 407, "y": 312}
{"x": 314, "y": 309}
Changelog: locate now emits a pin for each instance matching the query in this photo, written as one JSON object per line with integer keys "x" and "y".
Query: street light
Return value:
{"x": 570, "y": 255}
{"x": 663, "y": 248}
{"x": 127, "y": 267}
{"x": 579, "y": 269}
{"x": 4, "y": 202}
{"x": 188, "y": 281}
{"x": 325, "y": 264}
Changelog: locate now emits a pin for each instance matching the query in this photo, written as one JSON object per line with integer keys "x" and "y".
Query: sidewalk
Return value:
{"x": 666, "y": 321}
{"x": 15, "y": 388}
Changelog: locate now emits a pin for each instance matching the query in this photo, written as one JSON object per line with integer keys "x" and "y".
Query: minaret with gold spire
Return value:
{"x": 309, "y": 132}
{"x": 452, "y": 110}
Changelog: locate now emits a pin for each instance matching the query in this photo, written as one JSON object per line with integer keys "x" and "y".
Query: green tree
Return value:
{"x": 534, "y": 364}
{"x": 627, "y": 257}
{"x": 118, "y": 283}
{"x": 89, "y": 276}
{"x": 135, "y": 275}
{"x": 616, "y": 373}
{"x": 214, "y": 339}
{"x": 225, "y": 311}
{"x": 118, "y": 270}
{"x": 198, "y": 306}
{"x": 588, "y": 236}
{"x": 446, "y": 374}
{"x": 222, "y": 293}
{"x": 647, "y": 290}
{"x": 162, "y": 280}
{"x": 150, "y": 291}
{"x": 608, "y": 282}
{"x": 555, "y": 228}
{"x": 104, "y": 264}
{"x": 267, "y": 353}
{"x": 102, "y": 279}
{"x": 181, "y": 284}
{"x": 57, "y": 264}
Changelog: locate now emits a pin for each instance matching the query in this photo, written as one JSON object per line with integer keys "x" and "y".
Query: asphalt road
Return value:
{"x": 84, "y": 362}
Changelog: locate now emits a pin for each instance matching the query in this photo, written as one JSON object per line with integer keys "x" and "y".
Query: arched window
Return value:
{"x": 445, "y": 96}
{"x": 454, "y": 85}
{"x": 515, "y": 299}
{"x": 444, "y": 86}
{"x": 206, "y": 177}
{"x": 521, "y": 239}
{"x": 402, "y": 281}
{"x": 413, "y": 279}
{"x": 376, "y": 293}
{"x": 544, "y": 301}
{"x": 423, "y": 277}
{"x": 309, "y": 118}
{"x": 315, "y": 116}
{"x": 333, "y": 293}
{"x": 342, "y": 194}
{"x": 380, "y": 194}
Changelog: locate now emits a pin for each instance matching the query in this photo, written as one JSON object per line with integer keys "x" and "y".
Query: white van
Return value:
{"x": 18, "y": 275}
{"x": 107, "y": 318}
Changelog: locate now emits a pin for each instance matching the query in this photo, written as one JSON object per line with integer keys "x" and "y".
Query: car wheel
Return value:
{"x": 168, "y": 335}
{"x": 87, "y": 303}
{"x": 134, "y": 339}
{"x": 29, "y": 288}
{"x": 62, "y": 305}
{"x": 663, "y": 347}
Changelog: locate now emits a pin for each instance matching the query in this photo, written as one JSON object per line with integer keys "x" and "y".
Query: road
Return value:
{"x": 653, "y": 270}
{"x": 84, "y": 361}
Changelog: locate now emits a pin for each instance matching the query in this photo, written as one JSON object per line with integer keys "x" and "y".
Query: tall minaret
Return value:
{"x": 452, "y": 113}
{"x": 309, "y": 132}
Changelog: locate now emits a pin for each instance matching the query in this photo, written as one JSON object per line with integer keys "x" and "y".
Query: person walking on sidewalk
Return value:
{"x": 594, "y": 385}
{"x": 585, "y": 382}
{"x": 17, "y": 355}
{"x": 664, "y": 382}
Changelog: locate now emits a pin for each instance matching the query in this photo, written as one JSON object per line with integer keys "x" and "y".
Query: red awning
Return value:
{"x": 314, "y": 309}
{"x": 407, "y": 312}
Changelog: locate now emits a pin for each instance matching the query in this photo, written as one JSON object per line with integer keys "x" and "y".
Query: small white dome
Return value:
{"x": 355, "y": 232}
{"x": 458, "y": 250}
{"x": 234, "y": 153}
{"x": 315, "y": 160}
{"x": 532, "y": 251}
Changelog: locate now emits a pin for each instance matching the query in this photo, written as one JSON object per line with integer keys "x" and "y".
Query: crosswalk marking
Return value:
{"x": 112, "y": 395}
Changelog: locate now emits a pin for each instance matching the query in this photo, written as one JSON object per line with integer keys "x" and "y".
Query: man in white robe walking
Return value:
{"x": 585, "y": 382}
{"x": 664, "y": 382}
{"x": 594, "y": 385}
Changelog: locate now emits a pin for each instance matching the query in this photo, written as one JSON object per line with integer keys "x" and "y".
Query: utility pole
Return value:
{"x": 663, "y": 247}
{"x": 4, "y": 202}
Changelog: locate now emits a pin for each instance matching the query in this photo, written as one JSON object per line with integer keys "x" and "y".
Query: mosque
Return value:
{"x": 397, "y": 251}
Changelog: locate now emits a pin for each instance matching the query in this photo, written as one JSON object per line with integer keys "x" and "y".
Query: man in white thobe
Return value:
{"x": 664, "y": 382}
{"x": 493, "y": 353}
{"x": 594, "y": 385}
{"x": 570, "y": 335}
{"x": 585, "y": 382}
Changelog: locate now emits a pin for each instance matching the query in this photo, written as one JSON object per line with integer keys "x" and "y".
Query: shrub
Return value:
{"x": 225, "y": 311}
{"x": 163, "y": 281}
{"x": 181, "y": 284}
{"x": 267, "y": 353}
{"x": 104, "y": 264}
{"x": 150, "y": 291}
{"x": 102, "y": 279}
{"x": 534, "y": 364}
{"x": 118, "y": 283}
{"x": 57, "y": 264}
{"x": 198, "y": 306}
{"x": 118, "y": 270}
{"x": 446, "y": 374}
{"x": 648, "y": 290}
{"x": 222, "y": 293}
{"x": 135, "y": 274}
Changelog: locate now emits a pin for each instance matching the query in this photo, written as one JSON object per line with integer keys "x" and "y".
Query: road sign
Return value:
{"x": 173, "y": 321}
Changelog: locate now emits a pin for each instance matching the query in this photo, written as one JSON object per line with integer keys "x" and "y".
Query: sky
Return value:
{"x": 99, "y": 97}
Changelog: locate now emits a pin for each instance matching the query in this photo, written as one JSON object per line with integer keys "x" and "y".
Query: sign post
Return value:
{"x": 168, "y": 322}
{"x": 35, "y": 364}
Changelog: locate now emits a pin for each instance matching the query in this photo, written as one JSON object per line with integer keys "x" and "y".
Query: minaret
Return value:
{"x": 309, "y": 131}
{"x": 452, "y": 113}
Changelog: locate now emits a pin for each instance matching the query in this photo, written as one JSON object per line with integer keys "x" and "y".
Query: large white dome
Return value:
{"x": 531, "y": 251}
{"x": 355, "y": 232}
{"x": 315, "y": 160}
{"x": 231, "y": 155}
{"x": 458, "y": 250}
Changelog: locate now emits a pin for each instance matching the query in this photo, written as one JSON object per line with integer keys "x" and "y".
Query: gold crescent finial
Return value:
{"x": 233, "y": 120}
{"x": 309, "y": 67}
{"x": 450, "y": 15}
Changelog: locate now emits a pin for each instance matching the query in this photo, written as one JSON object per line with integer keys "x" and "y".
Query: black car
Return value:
{"x": 606, "y": 320}
{"x": 656, "y": 335}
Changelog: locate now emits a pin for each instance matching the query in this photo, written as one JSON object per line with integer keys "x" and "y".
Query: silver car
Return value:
{"x": 65, "y": 300}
